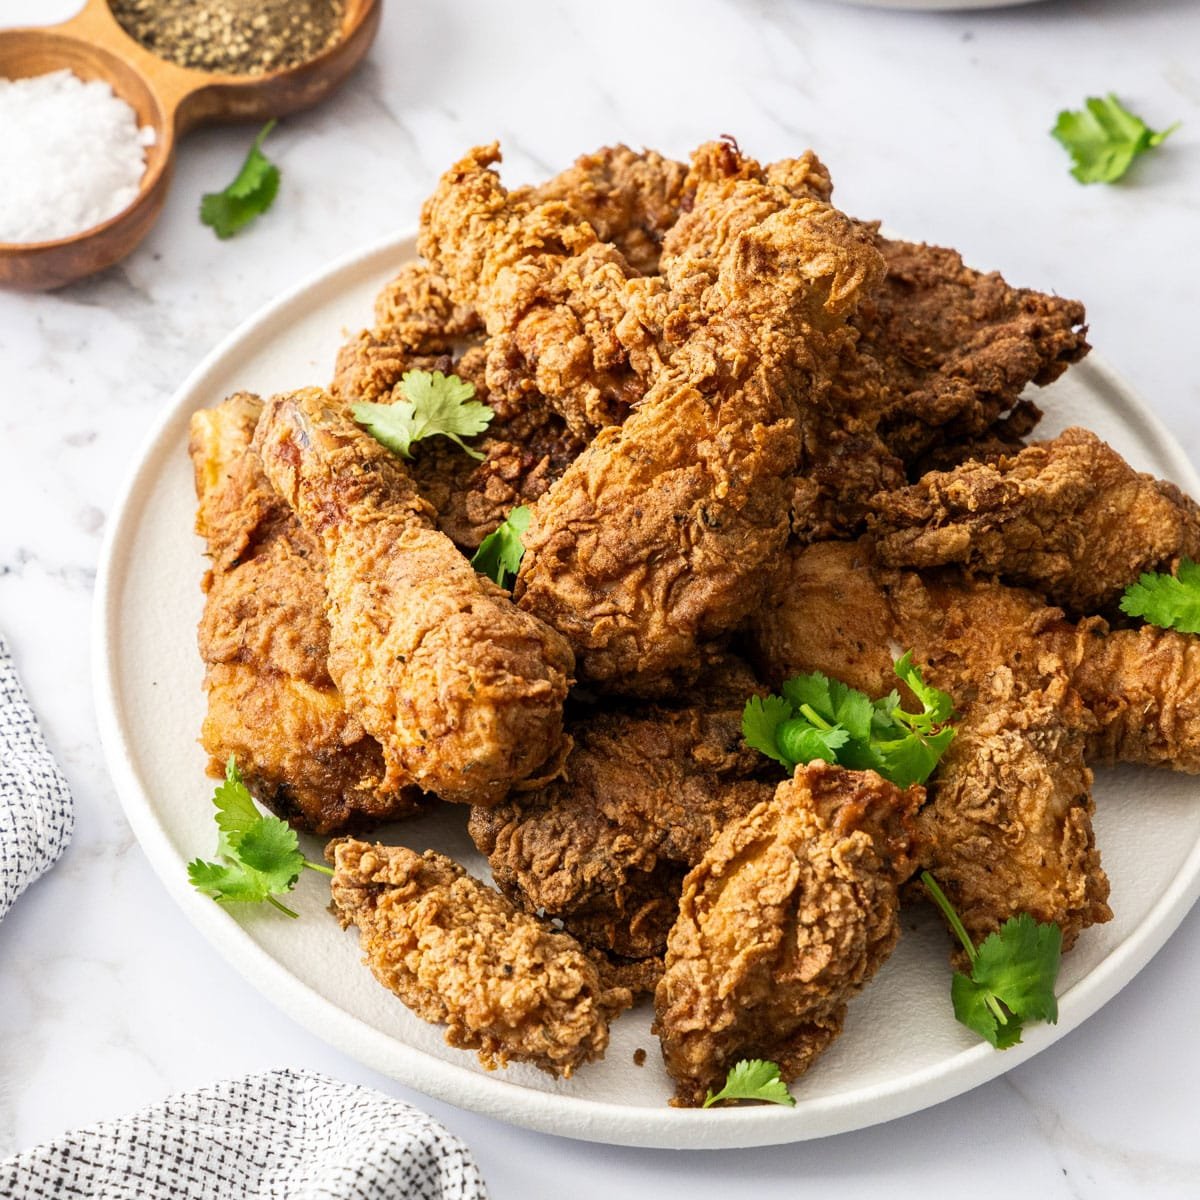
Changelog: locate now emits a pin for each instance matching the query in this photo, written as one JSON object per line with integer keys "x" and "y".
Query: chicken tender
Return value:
{"x": 790, "y": 912}
{"x": 458, "y": 954}
{"x": 642, "y": 795}
{"x": 1069, "y": 518}
{"x": 264, "y": 641}
{"x": 463, "y": 691}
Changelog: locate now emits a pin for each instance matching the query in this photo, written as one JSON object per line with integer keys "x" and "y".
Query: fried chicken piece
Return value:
{"x": 629, "y": 199}
{"x": 642, "y": 795}
{"x": 264, "y": 641}
{"x": 463, "y": 691}
{"x": 1068, "y": 517}
{"x": 458, "y": 954}
{"x": 945, "y": 351}
{"x": 564, "y": 311}
{"x": 1009, "y": 820}
{"x": 790, "y": 912}
{"x": 656, "y": 538}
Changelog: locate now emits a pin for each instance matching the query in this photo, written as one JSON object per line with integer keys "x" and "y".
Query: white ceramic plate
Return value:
{"x": 902, "y": 1049}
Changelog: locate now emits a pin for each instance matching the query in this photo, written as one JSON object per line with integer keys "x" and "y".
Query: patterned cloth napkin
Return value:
{"x": 285, "y": 1135}
{"x": 36, "y": 814}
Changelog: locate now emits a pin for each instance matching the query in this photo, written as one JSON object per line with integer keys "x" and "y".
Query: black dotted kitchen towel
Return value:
{"x": 36, "y": 814}
{"x": 285, "y": 1135}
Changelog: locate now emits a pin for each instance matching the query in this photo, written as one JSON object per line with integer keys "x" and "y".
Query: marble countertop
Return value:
{"x": 937, "y": 122}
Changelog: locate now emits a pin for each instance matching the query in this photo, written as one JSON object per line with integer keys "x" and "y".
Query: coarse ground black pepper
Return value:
{"x": 241, "y": 37}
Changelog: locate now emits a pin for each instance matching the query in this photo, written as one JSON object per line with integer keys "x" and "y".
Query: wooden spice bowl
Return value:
{"x": 171, "y": 100}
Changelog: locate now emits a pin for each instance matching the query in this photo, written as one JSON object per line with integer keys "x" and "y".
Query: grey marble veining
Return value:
{"x": 935, "y": 123}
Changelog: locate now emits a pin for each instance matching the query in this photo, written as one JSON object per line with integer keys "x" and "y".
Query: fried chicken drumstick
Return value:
{"x": 463, "y": 691}
{"x": 264, "y": 640}
{"x": 790, "y": 912}
{"x": 458, "y": 954}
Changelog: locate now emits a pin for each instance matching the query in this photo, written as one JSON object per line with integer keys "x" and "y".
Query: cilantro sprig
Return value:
{"x": 1103, "y": 138}
{"x": 260, "y": 855}
{"x": 752, "y": 1079}
{"x": 432, "y": 404}
{"x": 1168, "y": 601}
{"x": 821, "y": 718}
{"x": 500, "y": 553}
{"x": 1013, "y": 972}
{"x": 251, "y": 193}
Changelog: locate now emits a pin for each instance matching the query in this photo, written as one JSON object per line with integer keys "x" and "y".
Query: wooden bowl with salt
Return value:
{"x": 168, "y": 98}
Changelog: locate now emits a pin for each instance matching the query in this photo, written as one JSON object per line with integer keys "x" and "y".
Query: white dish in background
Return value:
{"x": 902, "y": 1049}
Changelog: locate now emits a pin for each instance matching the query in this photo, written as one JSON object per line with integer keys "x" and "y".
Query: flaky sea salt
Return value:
{"x": 71, "y": 156}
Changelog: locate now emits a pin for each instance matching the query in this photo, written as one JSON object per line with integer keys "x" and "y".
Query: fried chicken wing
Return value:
{"x": 642, "y": 795}
{"x": 657, "y": 536}
{"x": 564, "y": 311}
{"x": 1009, "y": 820}
{"x": 264, "y": 641}
{"x": 790, "y": 912}
{"x": 458, "y": 954}
{"x": 463, "y": 691}
{"x": 1069, "y": 518}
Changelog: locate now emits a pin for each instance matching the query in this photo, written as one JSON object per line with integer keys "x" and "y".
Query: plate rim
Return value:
{"x": 491, "y": 1094}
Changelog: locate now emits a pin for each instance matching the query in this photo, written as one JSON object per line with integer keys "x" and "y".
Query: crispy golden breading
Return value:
{"x": 458, "y": 954}
{"x": 629, "y": 199}
{"x": 657, "y": 537}
{"x": 790, "y": 912}
{"x": 264, "y": 640}
{"x": 1009, "y": 824}
{"x": 1069, "y": 518}
{"x": 642, "y": 795}
{"x": 564, "y": 311}
{"x": 463, "y": 690}
{"x": 945, "y": 351}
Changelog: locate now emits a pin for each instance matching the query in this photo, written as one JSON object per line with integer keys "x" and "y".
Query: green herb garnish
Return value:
{"x": 432, "y": 404}
{"x": 752, "y": 1079}
{"x": 260, "y": 855}
{"x": 1103, "y": 138}
{"x": 248, "y": 196}
{"x": 821, "y": 718}
{"x": 1168, "y": 601}
{"x": 1012, "y": 977}
{"x": 500, "y": 553}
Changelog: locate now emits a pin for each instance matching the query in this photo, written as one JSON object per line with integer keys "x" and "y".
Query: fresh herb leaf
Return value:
{"x": 818, "y": 717}
{"x": 248, "y": 196}
{"x": 432, "y": 404}
{"x": 1168, "y": 601}
{"x": 260, "y": 855}
{"x": 1013, "y": 972}
{"x": 752, "y": 1079}
{"x": 500, "y": 553}
{"x": 1103, "y": 138}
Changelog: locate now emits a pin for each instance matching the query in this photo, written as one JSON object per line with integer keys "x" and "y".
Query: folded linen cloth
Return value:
{"x": 36, "y": 813}
{"x": 284, "y": 1134}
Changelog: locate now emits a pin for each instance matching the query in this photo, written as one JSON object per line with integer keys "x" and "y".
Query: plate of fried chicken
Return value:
{"x": 755, "y": 438}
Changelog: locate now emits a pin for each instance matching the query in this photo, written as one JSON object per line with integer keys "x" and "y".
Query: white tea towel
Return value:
{"x": 36, "y": 814}
{"x": 286, "y": 1135}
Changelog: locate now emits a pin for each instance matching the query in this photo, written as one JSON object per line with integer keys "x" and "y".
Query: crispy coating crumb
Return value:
{"x": 458, "y": 954}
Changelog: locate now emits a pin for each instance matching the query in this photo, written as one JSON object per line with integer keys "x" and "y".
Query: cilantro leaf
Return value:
{"x": 761, "y": 719}
{"x": 818, "y": 717}
{"x": 1013, "y": 972}
{"x": 752, "y": 1079}
{"x": 250, "y": 194}
{"x": 1168, "y": 601}
{"x": 500, "y": 553}
{"x": 432, "y": 403}
{"x": 260, "y": 855}
{"x": 1104, "y": 137}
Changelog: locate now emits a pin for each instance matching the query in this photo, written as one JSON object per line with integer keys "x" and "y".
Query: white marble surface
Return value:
{"x": 937, "y": 122}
